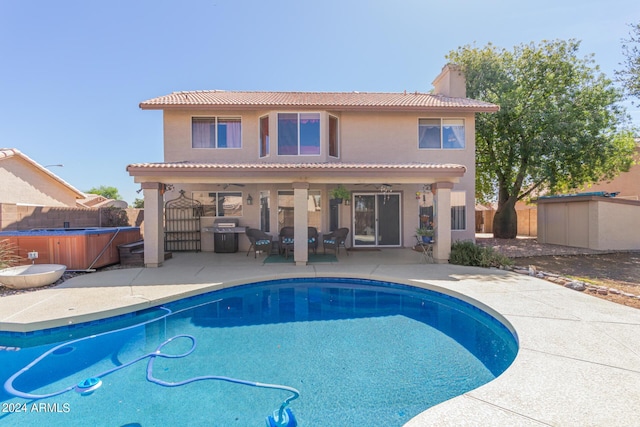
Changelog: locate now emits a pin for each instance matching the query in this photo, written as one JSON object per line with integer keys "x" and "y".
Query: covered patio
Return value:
{"x": 403, "y": 180}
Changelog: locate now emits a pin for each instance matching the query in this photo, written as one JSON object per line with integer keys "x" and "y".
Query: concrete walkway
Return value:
{"x": 579, "y": 358}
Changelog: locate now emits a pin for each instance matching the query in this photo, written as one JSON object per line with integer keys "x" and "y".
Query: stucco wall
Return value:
{"x": 23, "y": 183}
{"x": 364, "y": 137}
{"x": 627, "y": 184}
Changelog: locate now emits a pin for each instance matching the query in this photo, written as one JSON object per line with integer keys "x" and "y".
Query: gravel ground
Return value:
{"x": 618, "y": 270}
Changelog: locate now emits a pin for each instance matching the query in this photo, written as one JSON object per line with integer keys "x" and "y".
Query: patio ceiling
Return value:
{"x": 318, "y": 173}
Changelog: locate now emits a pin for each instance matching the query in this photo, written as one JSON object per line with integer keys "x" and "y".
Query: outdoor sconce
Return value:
{"x": 249, "y": 200}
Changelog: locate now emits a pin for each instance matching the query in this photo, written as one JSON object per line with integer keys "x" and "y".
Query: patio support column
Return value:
{"x": 153, "y": 224}
{"x": 442, "y": 246}
{"x": 300, "y": 222}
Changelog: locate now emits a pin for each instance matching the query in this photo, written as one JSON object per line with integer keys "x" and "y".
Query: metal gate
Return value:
{"x": 182, "y": 224}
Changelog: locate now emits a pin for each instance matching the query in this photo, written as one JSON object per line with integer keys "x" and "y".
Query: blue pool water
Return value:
{"x": 359, "y": 352}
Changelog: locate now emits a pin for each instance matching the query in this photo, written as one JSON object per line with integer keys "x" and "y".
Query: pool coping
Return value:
{"x": 578, "y": 361}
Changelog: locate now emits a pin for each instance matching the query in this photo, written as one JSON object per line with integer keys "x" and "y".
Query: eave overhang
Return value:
{"x": 331, "y": 101}
{"x": 317, "y": 173}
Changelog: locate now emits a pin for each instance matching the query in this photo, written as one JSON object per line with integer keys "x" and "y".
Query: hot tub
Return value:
{"x": 77, "y": 248}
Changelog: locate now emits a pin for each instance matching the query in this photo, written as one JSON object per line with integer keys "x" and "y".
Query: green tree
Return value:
{"x": 629, "y": 76}
{"x": 559, "y": 124}
{"x": 138, "y": 203}
{"x": 104, "y": 191}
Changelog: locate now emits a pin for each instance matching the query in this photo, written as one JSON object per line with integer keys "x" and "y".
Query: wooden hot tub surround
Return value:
{"x": 77, "y": 248}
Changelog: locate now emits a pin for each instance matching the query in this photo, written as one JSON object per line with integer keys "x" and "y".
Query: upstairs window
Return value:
{"x": 264, "y": 136}
{"x": 216, "y": 132}
{"x": 298, "y": 134}
{"x": 333, "y": 136}
{"x": 441, "y": 133}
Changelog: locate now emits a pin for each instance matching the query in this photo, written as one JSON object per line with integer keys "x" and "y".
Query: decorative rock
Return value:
{"x": 575, "y": 285}
{"x": 569, "y": 283}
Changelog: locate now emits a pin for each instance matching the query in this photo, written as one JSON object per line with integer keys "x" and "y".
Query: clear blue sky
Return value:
{"x": 72, "y": 73}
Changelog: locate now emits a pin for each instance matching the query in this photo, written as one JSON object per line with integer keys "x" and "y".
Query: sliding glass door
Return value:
{"x": 376, "y": 220}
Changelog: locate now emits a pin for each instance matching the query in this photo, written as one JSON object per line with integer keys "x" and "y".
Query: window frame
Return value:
{"x": 444, "y": 123}
{"x": 216, "y": 123}
{"x": 426, "y": 209}
{"x": 463, "y": 218}
{"x": 210, "y": 201}
{"x": 314, "y": 219}
{"x": 264, "y": 138}
{"x": 299, "y": 133}
{"x": 333, "y": 140}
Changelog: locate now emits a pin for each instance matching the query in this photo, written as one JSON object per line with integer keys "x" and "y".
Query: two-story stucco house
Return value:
{"x": 271, "y": 159}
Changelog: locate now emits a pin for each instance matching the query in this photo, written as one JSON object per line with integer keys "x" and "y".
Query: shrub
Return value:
{"x": 8, "y": 257}
{"x": 470, "y": 254}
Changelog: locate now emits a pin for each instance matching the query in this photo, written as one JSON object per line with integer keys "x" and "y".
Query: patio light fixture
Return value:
{"x": 249, "y": 200}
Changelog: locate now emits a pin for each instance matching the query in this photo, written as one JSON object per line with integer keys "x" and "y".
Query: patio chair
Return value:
{"x": 260, "y": 241}
{"x": 286, "y": 240}
{"x": 335, "y": 239}
{"x": 426, "y": 248}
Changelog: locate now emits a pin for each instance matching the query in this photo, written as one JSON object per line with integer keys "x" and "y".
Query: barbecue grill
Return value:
{"x": 225, "y": 235}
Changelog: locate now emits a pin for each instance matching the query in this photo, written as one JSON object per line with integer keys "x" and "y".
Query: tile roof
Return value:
{"x": 298, "y": 166}
{"x": 332, "y": 100}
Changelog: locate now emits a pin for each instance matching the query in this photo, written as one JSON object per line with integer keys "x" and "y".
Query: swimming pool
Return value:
{"x": 360, "y": 352}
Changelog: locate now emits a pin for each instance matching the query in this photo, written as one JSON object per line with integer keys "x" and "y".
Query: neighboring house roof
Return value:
{"x": 245, "y": 172}
{"x": 7, "y": 153}
{"x": 326, "y": 100}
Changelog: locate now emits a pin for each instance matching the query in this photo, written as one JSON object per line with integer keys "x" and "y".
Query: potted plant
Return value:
{"x": 340, "y": 193}
{"x": 425, "y": 233}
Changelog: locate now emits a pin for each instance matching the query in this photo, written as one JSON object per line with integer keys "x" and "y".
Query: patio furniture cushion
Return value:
{"x": 260, "y": 241}
{"x": 336, "y": 239}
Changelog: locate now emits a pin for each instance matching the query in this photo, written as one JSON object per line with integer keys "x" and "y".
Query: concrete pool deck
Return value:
{"x": 579, "y": 357}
